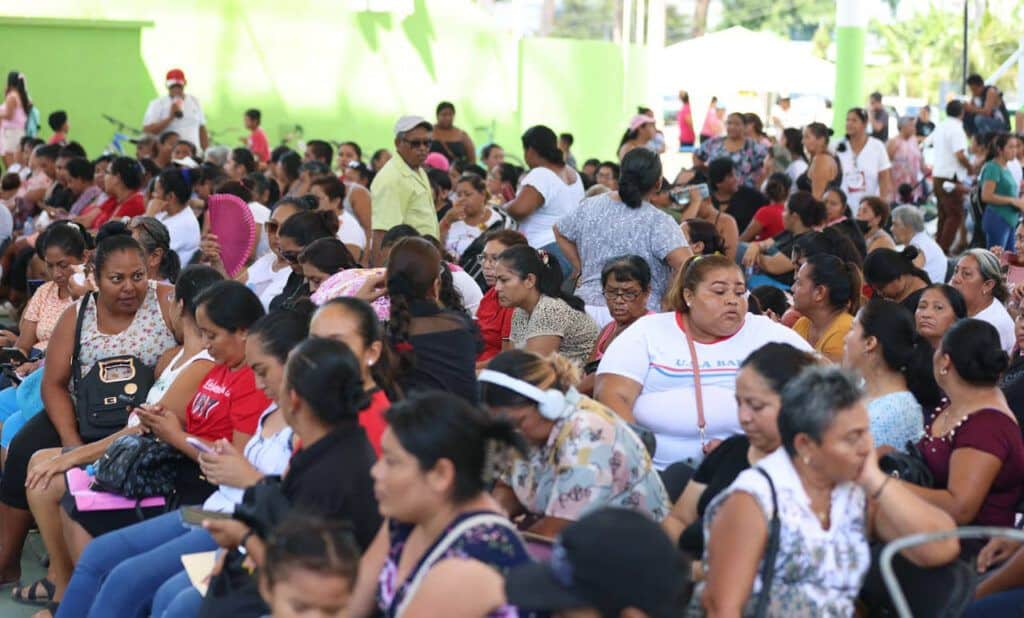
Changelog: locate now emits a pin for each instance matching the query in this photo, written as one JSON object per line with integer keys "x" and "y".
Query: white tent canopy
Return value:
{"x": 738, "y": 59}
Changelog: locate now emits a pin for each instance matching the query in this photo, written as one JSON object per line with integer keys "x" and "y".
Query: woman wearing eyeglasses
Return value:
{"x": 626, "y": 286}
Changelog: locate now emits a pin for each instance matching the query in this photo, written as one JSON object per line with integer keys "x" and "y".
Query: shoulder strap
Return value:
{"x": 771, "y": 551}
{"x": 76, "y": 370}
{"x": 701, "y": 422}
{"x": 443, "y": 546}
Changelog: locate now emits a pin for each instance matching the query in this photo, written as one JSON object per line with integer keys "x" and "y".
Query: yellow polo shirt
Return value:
{"x": 830, "y": 345}
{"x": 402, "y": 195}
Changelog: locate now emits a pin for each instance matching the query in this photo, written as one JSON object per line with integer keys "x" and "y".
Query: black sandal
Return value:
{"x": 33, "y": 597}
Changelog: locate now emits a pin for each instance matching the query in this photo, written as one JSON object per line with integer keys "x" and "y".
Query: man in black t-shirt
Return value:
{"x": 879, "y": 117}
{"x": 925, "y": 126}
{"x": 728, "y": 195}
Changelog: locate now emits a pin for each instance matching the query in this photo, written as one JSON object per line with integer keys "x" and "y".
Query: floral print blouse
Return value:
{"x": 496, "y": 545}
{"x": 45, "y": 308}
{"x": 748, "y": 160}
{"x": 592, "y": 459}
{"x": 818, "y": 572}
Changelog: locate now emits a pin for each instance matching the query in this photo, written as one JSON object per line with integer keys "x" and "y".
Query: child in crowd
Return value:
{"x": 9, "y": 185}
{"x": 565, "y": 141}
{"x": 58, "y": 122}
{"x": 257, "y": 141}
{"x": 310, "y": 563}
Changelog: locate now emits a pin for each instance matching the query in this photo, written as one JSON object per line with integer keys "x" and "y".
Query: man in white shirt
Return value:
{"x": 178, "y": 112}
{"x": 951, "y": 169}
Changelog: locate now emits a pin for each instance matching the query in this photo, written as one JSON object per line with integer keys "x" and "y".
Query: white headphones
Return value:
{"x": 552, "y": 403}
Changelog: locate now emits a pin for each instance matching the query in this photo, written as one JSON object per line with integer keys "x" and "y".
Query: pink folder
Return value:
{"x": 88, "y": 499}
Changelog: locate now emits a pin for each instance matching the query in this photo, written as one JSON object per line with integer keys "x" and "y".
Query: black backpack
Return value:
{"x": 137, "y": 466}
{"x": 112, "y": 388}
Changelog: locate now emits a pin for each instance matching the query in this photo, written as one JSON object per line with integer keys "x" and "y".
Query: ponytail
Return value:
{"x": 842, "y": 278}
{"x": 903, "y": 350}
{"x": 525, "y": 260}
{"x": 370, "y": 331}
{"x": 170, "y": 265}
{"x": 639, "y": 174}
{"x": 448, "y": 294}
{"x": 413, "y": 267}
{"x": 327, "y": 376}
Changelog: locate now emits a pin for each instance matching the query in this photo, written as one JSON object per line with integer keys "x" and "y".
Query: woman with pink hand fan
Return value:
{"x": 267, "y": 275}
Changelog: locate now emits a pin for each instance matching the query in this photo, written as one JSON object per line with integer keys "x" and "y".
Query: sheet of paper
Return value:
{"x": 198, "y": 567}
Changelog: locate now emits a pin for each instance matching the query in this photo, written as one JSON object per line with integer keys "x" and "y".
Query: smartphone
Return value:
{"x": 12, "y": 355}
{"x": 194, "y": 515}
{"x": 198, "y": 444}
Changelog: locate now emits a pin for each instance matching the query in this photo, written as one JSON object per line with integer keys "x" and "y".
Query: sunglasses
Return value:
{"x": 292, "y": 257}
{"x": 419, "y": 143}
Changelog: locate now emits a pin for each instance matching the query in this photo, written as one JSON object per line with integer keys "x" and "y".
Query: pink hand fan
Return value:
{"x": 230, "y": 219}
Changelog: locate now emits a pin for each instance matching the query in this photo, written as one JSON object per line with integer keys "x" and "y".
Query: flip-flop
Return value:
{"x": 33, "y": 597}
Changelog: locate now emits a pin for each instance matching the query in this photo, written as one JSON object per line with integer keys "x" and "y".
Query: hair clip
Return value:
{"x": 543, "y": 256}
{"x": 403, "y": 347}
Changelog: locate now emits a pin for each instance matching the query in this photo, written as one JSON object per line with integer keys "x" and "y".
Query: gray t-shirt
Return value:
{"x": 604, "y": 228}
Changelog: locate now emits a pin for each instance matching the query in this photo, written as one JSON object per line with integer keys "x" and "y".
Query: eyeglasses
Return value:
{"x": 292, "y": 257}
{"x": 418, "y": 143}
{"x": 626, "y": 295}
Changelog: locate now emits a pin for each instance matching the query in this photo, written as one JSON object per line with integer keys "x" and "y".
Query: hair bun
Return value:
{"x": 910, "y": 252}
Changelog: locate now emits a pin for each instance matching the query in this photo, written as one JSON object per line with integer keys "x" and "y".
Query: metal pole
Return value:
{"x": 899, "y": 600}
{"x": 964, "y": 58}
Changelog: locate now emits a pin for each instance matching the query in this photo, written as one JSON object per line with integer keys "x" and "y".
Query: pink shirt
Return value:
{"x": 685, "y": 120}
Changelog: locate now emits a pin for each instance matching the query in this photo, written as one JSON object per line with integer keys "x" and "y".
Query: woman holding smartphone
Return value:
{"x": 120, "y": 572}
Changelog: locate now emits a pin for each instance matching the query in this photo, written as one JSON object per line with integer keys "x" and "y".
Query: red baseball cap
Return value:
{"x": 175, "y": 77}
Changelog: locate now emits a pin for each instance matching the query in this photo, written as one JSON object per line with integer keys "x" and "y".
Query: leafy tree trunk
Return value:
{"x": 700, "y": 17}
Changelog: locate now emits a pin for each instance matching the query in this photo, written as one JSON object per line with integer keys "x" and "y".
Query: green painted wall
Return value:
{"x": 339, "y": 73}
{"x": 95, "y": 69}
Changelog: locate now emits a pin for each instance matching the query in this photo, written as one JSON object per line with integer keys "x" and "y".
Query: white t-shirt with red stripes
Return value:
{"x": 654, "y": 353}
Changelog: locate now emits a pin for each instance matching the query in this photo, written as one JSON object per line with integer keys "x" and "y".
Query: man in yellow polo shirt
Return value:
{"x": 401, "y": 190}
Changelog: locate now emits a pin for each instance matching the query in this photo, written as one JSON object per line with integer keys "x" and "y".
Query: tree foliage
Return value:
{"x": 797, "y": 19}
{"x": 926, "y": 49}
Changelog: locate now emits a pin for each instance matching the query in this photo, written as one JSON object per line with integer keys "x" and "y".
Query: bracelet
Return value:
{"x": 245, "y": 539}
{"x": 878, "y": 492}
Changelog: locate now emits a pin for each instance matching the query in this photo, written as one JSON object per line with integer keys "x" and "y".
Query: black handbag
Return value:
{"x": 137, "y": 466}
{"x": 907, "y": 466}
{"x": 771, "y": 551}
{"x": 111, "y": 389}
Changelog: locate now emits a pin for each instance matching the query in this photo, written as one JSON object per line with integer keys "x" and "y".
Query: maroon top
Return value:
{"x": 995, "y": 433}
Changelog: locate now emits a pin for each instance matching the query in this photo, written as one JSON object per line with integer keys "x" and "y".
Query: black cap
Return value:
{"x": 609, "y": 560}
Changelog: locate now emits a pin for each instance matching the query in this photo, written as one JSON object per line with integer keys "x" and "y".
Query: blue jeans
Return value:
{"x": 988, "y": 124}
{"x": 177, "y": 598}
{"x": 1009, "y": 603}
{"x": 998, "y": 233}
{"x": 134, "y": 561}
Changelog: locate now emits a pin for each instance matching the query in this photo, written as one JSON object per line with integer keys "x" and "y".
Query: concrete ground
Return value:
{"x": 31, "y": 570}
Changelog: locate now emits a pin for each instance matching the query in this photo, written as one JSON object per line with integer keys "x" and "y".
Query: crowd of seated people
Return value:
{"x": 436, "y": 384}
